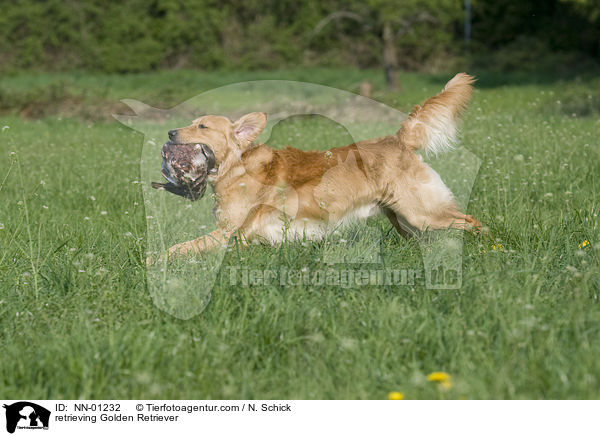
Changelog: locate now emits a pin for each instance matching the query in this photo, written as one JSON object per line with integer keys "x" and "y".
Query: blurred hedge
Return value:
{"x": 138, "y": 35}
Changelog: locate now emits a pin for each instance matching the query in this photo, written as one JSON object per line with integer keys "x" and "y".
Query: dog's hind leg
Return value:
{"x": 453, "y": 220}
{"x": 399, "y": 223}
{"x": 443, "y": 217}
{"x": 425, "y": 202}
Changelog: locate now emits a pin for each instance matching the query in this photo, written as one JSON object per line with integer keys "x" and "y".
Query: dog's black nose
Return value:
{"x": 172, "y": 134}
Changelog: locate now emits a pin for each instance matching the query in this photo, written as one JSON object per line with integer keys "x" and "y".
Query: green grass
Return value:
{"x": 77, "y": 320}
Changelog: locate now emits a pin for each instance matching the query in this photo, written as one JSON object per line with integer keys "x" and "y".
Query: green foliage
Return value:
{"x": 138, "y": 35}
{"x": 540, "y": 27}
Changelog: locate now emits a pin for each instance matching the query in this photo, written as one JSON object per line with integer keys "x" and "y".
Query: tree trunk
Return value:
{"x": 390, "y": 58}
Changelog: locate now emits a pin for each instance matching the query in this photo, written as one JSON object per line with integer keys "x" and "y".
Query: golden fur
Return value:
{"x": 269, "y": 195}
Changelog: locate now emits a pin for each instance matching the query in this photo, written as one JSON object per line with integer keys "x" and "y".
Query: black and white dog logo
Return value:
{"x": 26, "y": 415}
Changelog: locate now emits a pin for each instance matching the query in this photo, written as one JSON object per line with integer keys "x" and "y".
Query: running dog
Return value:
{"x": 268, "y": 195}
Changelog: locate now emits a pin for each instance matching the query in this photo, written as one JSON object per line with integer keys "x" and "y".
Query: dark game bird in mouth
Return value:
{"x": 186, "y": 168}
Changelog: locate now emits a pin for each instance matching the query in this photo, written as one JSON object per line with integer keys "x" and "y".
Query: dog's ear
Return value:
{"x": 248, "y": 127}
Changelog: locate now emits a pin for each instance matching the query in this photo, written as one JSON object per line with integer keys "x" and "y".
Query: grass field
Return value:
{"x": 77, "y": 320}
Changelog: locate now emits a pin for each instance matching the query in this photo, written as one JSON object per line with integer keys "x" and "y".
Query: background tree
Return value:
{"x": 390, "y": 20}
{"x": 142, "y": 35}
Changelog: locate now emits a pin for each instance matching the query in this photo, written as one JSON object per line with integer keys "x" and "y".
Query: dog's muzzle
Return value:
{"x": 186, "y": 168}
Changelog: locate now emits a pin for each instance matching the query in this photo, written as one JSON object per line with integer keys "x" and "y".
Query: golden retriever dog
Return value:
{"x": 271, "y": 195}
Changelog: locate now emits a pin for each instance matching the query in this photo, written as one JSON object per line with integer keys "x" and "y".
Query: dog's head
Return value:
{"x": 227, "y": 139}
{"x": 197, "y": 152}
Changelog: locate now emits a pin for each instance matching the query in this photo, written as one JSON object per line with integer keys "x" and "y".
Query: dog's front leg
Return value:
{"x": 204, "y": 243}
{"x": 208, "y": 242}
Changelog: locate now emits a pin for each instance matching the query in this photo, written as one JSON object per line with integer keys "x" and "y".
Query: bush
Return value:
{"x": 140, "y": 35}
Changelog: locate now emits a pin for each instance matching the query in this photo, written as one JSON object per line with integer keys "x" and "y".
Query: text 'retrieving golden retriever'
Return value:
{"x": 270, "y": 195}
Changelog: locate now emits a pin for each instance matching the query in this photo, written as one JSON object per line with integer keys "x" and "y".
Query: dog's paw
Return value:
{"x": 473, "y": 221}
{"x": 157, "y": 259}
{"x": 476, "y": 227}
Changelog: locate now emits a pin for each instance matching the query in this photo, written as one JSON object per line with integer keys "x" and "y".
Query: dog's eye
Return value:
{"x": 202, "y": 126}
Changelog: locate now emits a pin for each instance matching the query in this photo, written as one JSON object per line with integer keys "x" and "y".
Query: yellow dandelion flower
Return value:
{"x": 395, "y": 396}
{"x": 584, "y": 244}
{"x": 439, "y": 377}
{"x": 498, "y": 247}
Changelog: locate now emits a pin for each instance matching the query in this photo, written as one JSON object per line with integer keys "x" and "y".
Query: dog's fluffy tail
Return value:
{"x": 432, "y": 126}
